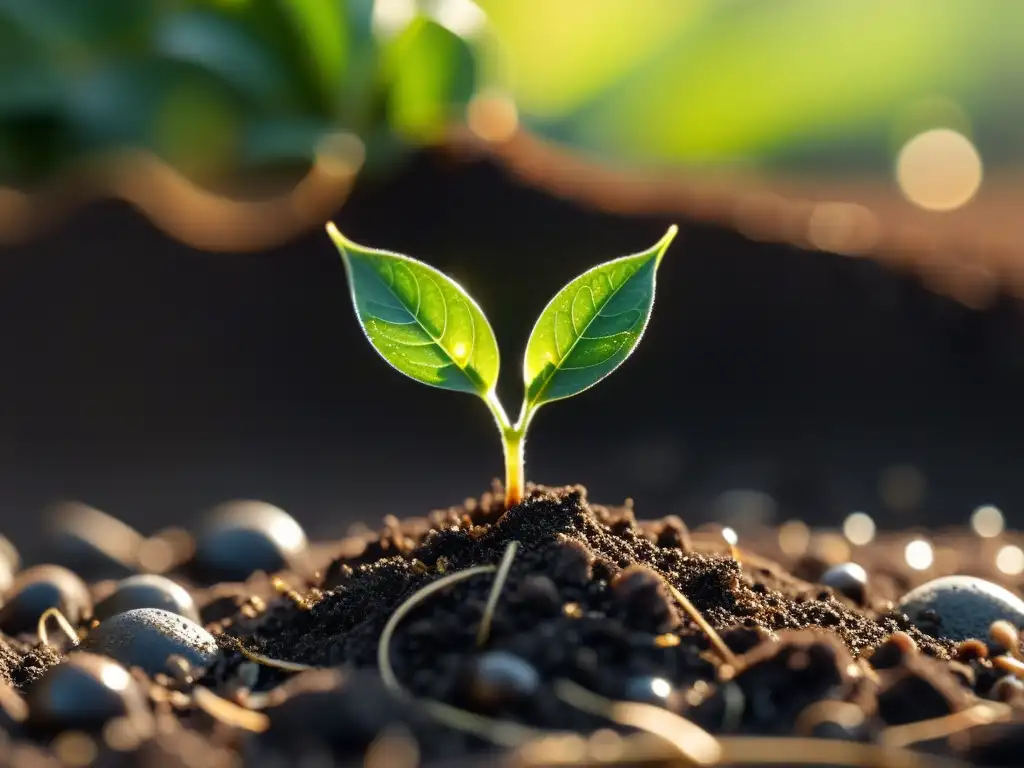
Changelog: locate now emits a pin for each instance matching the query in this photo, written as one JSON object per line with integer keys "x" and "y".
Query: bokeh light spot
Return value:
{"x": 939, "y": 170}
{"x": 392, "y": 16}
{"x": 988, "y": 521}
{"x": 1010, "y": 560}
{"x": 919, "y": 555}
{"x": 859, "y": 528}
{"x": 492, "y": 116}
{"x": 844, "y": 228}
{"x": 794, "y": 537}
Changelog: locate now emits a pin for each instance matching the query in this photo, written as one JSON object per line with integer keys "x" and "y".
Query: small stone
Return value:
{"x": 1005, "y": 636}
{"x": 674, "y": 534}
{"x": 961, "y": 607}
{"x": 970, "y": 650}
{"x": 848, "y": 579}
{"x": 893, "y": 651}
{"x": 148, "y": 637}
{"x": 92, "y": 543}
{"x": 641, "y": 599}
{"x": 9, "y": 554}
{"x": 83, "y": 693}
{"x": 242, "y": 537}
{"x": 6, "y": 578}
{"x": 147, "y": 591}
{"x": 499, "y": 679}
{"x": 10, "y": 561}
{"x": 648, "y": 690}
{"x": 1007, "y": 689}
{"x": 39, "y": 588}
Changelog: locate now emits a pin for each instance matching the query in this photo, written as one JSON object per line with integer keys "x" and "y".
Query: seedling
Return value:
{"x": 425, "y": 325}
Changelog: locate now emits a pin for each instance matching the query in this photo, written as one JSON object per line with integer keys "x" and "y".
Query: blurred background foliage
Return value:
{"x": 215, "y": 87}
{"x": 775, "y": 84}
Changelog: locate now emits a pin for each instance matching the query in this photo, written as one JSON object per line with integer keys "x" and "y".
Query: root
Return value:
{"x": 492, "y": 599}
{"x": 62, "y": 622}
{"x": 387, "y": 672}
{"x": 715, "y": 639}
{"x": 940, "y": 727}
{"x": 692, "y": 742}
{"x": 795, "y": 750}
{"x": 228, "y": 712}
{"x": 1009, "y": 664}
{"x": 504, "y": 733}
{"x": 267, "y": 661}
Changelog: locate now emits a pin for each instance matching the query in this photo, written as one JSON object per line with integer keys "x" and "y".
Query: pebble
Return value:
{"x": 148, "y": 637}
{"x": 848, "y": 579}
{"x": 9, "y": 562}
{"x": 6, "y": 577}
{"x": 39, "y": 588}
{"x": 966, "y": 605}
{"x": 648, "y": 690}
{"x": 147, "y": 591}
{"x": 83, "y": 693}
{"x": 92, "y": 543}
{"x": 9, "y": 554}
{"x": 242, "y": 537}
{"x": 499, "y": 679}
{"x": 1006, "y": 689}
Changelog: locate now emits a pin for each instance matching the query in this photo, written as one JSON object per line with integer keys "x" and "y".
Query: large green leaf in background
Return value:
{"x": 783, "y": 84}
{"x": 215, "y": 87}
{"x": 778, "y": 83}
{"x": 430, "y": 72}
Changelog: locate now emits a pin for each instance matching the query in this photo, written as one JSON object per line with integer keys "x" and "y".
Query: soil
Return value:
{"x": 585, "y": 601}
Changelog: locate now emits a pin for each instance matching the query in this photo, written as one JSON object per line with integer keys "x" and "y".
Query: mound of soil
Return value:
{"x": 584, "y": 619}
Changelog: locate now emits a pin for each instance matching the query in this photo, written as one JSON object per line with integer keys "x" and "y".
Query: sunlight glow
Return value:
{"x": 463, "y": 17}
{"x": 794, "y": 537}
{"x": 988, "y": 521}
{"x": 939, "y": 170}
{"x": 1010, "y": 560}
{"x": 919, "y": 555}
{"x": 392, "y": 16}
{"x": 492, "y": 116}
{"x": 859, "y": 528}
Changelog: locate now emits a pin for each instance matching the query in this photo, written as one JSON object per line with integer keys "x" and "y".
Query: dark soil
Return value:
{"x": 584, "y": 602}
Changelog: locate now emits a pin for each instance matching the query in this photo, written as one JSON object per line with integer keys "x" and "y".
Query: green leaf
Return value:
{"x": 431, "y": 75}
{"x": 419, "y": 320}
{"x": 591, "y": 326}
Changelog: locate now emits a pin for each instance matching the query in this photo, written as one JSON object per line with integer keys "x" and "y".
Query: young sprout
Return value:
{"x": 425, "y": 325}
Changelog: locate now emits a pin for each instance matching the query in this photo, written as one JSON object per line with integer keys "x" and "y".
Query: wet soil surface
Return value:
{"x": 584, "y": 619}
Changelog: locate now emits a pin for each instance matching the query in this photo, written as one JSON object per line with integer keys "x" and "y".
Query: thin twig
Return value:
{"x": 716, "y": 640}
{"x": 939, "y": 727}
{"x": 492, "y": 599}
{"x": 387, "y": 672}
{"x": 691, "y": 741}
{"x": 1009, "y": 664}
{"x": 228, "y": 712}
{"x": 796, "y": 750}
{"x": 267, "y": 661}
{"x": 503, "y": 733}
{"x": 62, "y": 622}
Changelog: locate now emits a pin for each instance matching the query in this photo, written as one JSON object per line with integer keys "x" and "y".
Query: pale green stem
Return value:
{"x": 513, "y": 439}
{"x": 515, "y": 479}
